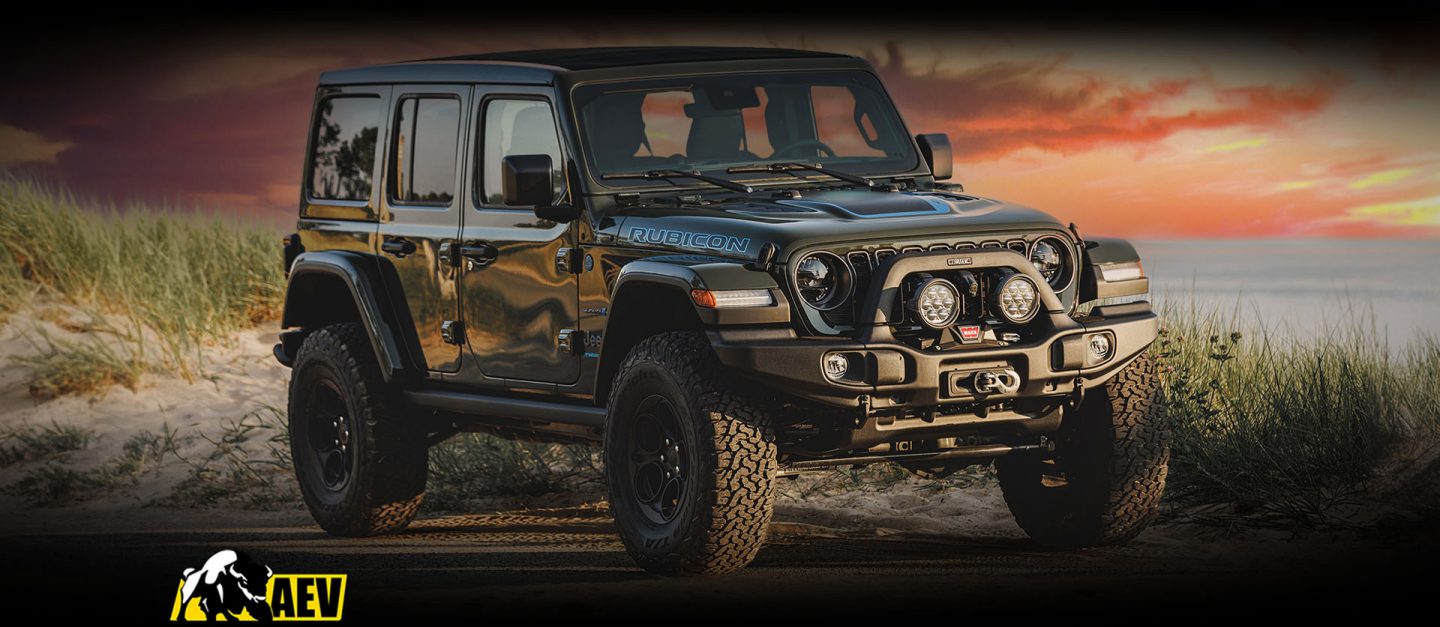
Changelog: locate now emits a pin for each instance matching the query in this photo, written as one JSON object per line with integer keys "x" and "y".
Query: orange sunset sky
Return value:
{"x": 1134, "y": 132}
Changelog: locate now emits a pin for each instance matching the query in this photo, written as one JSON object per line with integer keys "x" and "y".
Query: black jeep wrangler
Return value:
{"x": 729, "y": 265}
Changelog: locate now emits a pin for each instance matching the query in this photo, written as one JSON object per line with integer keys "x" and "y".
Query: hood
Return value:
{"x": 740, "y": 227}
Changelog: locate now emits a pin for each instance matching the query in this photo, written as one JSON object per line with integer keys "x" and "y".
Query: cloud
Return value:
{"x": 237, "y": 71}
{"x": 1386, "y": 177}
{"x": 1003, "y": 107}
{"x": 19, "y": 146}
{"x": 1239, "y": 145}
{"x": 1421, "y": 212}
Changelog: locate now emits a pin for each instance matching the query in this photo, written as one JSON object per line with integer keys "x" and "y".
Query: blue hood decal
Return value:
{"x": 865, "y": 204}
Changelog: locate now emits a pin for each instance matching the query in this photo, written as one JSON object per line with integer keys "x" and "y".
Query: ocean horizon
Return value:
{"x": 1303, "y": 287}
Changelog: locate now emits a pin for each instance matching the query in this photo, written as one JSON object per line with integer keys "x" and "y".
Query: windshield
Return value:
{"x": 842, "y": 120}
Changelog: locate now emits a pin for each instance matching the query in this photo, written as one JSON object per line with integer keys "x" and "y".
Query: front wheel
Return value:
{"x": 1104, "y": 482}
{"x": 361, "y": 465}
{"x": 690, "y": 460}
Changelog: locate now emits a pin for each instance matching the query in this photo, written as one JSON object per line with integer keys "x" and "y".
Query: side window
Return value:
{"x": 342, "y": 161}
{"x": 518, "y": 127}
{"x": 427, "y": 133}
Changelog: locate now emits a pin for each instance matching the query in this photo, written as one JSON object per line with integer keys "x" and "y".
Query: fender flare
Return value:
{"x": 678, "y": 274}
{"x": 349, "y": 269}
{"x": 1103, "y": 254}
{"x": 701, "y": 272}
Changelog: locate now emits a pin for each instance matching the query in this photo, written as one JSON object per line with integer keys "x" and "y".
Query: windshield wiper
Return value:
{"x": 651, "y": 175}
{"x": 795, "y": 166}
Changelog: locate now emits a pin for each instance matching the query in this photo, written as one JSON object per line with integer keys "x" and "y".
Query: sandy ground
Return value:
{"x": 239, "y": 379}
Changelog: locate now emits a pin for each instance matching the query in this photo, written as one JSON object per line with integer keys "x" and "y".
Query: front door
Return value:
{"x": 421, "y": 216}
{"x": 517, "y": 302}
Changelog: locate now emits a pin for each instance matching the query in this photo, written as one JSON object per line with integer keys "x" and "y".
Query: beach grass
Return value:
{"x": 178, "y": 282}
{"x": 1290, "y": 430}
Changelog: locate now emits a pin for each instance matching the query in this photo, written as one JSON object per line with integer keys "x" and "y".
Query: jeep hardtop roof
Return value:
{"x": 544, "y": 66}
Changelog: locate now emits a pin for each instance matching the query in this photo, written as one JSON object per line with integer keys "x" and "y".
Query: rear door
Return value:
{"x": 420, "y": 217}
{"x": 518, "y": 302}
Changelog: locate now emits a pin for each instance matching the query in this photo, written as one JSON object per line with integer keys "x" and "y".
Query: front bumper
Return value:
{"x": 1051, "y": 362}
{"x": 785, "y": 361}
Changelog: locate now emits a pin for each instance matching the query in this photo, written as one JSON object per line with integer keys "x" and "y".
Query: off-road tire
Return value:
{"x": 724, "y": 509}
{"x": 1113, "y": 453}
{"x": 386, "y": 485}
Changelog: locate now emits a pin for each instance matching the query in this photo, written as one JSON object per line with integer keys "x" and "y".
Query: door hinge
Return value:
{"x": 568, "y": 260}
{"x": 570, "y": 342}
{"x": 452, "y": 332}
{"x": 449, "y": 253}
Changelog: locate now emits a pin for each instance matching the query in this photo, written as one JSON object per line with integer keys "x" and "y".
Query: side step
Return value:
{"x": 986, "y": 451}
{"x": 504, "y": 407}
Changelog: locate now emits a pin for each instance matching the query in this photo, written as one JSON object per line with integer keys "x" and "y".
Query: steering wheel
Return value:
{"x": 813, "y": 144}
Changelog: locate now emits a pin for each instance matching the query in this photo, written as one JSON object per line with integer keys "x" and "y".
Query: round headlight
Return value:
{"x": 935, "y": 303}
{"x": 823, "y": 280}
{"x": 1051, "y": 258}
{"x": 1015, "y": 298}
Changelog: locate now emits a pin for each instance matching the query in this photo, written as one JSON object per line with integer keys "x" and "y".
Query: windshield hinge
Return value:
{"x": 567, "y": 261}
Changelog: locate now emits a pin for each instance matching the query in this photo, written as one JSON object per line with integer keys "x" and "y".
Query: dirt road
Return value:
{"x": 566, "y": 561}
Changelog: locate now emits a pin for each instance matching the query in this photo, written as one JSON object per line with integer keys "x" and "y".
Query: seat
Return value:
{"x": 715, "y": 135}
{"x": 617, "y": 130}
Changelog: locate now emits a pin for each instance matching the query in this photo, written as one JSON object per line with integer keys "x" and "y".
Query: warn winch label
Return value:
{"x": 969, "y": 333}
{"x": 709, "y": 241}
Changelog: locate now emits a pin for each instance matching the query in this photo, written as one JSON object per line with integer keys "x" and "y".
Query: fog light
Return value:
{"x": 1100, "y": 347}
{"x": 836, "y": 366}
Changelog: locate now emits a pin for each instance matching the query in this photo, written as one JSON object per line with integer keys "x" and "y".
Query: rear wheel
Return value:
{"x": 690, "y": 460}
{"x": 1104, "y": 482}
{"x": 361, "y": 466}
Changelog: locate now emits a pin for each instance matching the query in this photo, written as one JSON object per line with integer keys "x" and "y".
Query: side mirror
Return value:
{"x": 527, "y": 180}
{"x": 935, "y": 147}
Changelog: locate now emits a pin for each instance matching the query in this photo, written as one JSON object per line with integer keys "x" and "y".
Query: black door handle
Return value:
{"x": 479, "y": 252}
{"x": 398, "y": 246}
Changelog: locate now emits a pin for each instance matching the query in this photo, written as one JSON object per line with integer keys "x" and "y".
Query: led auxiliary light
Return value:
{"x": 836, "y": 366}
{"x": 1015, "y": 298}
{"x": 935, "y": 303}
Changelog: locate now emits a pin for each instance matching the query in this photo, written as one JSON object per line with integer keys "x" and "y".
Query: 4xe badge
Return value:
{"x": 969, "y": 333}
{"x": 234, "y": 587}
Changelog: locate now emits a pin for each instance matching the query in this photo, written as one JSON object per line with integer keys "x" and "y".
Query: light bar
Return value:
{"x": 730, "y": 299}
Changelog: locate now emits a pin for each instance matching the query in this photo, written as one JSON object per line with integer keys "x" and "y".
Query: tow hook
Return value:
{"x": 996, "y": 382}
{"x": 1077, "y": 395}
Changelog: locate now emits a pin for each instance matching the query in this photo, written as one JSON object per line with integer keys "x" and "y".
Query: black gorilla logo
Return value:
{"x": 228, "y": 584}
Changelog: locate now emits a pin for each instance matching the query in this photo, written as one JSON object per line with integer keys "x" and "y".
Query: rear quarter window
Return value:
{"x": 342, "y": 155}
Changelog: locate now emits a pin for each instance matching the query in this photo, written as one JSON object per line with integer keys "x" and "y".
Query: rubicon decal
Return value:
{"x": 234, "y": 587}
{"x": 711, "y": 241}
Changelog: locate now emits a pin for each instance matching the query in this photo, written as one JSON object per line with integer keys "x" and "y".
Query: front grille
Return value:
{"x": 864, "y": 261}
